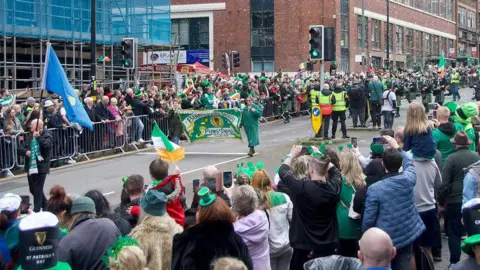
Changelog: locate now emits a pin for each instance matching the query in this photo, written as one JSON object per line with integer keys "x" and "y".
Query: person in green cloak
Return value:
{"x": 250, "y": 115}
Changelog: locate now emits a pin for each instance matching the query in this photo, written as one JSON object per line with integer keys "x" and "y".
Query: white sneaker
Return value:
{"x": 71, "y": 161}
{"x": 141, "y": 140}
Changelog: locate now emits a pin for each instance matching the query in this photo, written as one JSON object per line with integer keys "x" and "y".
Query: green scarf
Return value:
{"x": 34, "y": 155}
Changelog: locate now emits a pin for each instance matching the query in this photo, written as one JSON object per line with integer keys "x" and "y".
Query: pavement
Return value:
{"x": 276, "y": 140}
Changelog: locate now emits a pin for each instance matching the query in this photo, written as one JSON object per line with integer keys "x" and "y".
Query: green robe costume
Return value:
{"x": 250, "y": 124}
{"x": 348, "y": 228}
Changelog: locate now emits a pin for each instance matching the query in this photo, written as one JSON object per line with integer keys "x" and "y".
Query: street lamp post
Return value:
{"x": 93, "y": 40}
{"x": 363, "y": 34}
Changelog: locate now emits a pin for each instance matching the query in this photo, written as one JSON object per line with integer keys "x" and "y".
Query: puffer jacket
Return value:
{"x": 390, "y": 206}
{"x": 155, "y": 238}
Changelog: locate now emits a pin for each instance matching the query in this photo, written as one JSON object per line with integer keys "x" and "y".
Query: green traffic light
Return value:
{"x": 315, "y": 53}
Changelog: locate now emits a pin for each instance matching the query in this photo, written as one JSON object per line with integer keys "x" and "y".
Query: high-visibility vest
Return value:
{"x": 340, "y": 103}
{"x": 314, "y": 96}
{"x": 325, "y": 103}
{"x": 455, "y": 78}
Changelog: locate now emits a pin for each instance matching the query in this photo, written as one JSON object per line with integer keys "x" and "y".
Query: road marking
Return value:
{"x": 109, "y": 193}
{"x": 202, "y": 153}
{"x": 217, "y": 164}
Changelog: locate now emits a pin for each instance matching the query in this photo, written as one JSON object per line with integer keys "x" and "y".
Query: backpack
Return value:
{"x": 383, "y": 99}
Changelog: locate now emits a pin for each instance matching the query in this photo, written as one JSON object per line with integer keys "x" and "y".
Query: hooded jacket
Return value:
{"x": 88, "y": 241}
{"x": 155, "y": 236}
{"x": 314, "y": 221}
{"x": 442, "y": 136}
{"x": 280, "y": 217}
{"x": 357, "y": 96}
{"x": 197, "y": 247}
{"x": 253, "y": 229}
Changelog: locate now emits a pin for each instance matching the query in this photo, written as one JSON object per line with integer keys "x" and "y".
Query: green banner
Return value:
{"x": 211, "y": 124}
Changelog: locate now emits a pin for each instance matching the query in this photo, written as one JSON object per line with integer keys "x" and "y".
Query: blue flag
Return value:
{"x": 55, "y": 80}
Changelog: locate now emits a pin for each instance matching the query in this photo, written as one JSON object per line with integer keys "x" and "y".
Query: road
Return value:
{"x": 276, "y": 140}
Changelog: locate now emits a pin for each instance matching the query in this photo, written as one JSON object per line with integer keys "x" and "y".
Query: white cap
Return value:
{"x": 37, "y": 221}
{"x": 48, "y": 103}
{"x": 10, "y": 202}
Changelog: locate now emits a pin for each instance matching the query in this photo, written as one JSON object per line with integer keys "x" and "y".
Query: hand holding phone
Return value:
{"x": 353, "y": 141}
{"x": 378, "y": 141}
{"x": 227, "y": 179}
{"x": 196, "y": 184}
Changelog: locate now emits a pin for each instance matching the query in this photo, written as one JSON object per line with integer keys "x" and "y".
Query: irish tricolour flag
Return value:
{"x": 166, "y": 149}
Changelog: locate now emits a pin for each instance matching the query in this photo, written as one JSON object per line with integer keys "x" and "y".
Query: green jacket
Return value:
{"x": 442, "y": 136}
{"x": 376, "y": 90}
{"x": 348, "y": 228}
{"x": 207, "y": 101}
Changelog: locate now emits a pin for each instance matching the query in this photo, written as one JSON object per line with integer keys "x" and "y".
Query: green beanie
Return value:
{"x": 376, "y": 148}
{"x": 452, "y": 107}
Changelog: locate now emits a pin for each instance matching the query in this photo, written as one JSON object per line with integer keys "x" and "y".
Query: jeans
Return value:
{"x": 455, "y": 92}
{"x": 387, "y": 119}
{"x": 402, "y": 260}
{"x": 35, "y": 184}
{"x": 176, "y": 140}
{"x": 282, "y": 261}
{"x": 455, "y": 230}
{"x": 335, "y": 117}
{"x": 358, "y": 114}
{"x": 138, "y": 128}
{"x": 375, "y": 112}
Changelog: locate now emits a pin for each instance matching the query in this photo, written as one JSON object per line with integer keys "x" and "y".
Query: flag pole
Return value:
{"x": 44, "y": 76}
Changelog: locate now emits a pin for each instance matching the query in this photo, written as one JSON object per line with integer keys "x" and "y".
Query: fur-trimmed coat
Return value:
{"x": 197, "y": 247}
{"x": 155, "y": 236}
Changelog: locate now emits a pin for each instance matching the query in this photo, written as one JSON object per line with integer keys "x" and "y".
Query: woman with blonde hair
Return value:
{"x": 279, "y": 208}
{"x": 129, "y": 258}
{"x": 418, "y": 135}
{"x": 228, "y": 263}
{"x": 352, "y": 179}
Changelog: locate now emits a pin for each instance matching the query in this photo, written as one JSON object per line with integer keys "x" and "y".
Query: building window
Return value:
{"x": 427, "y": 6}
{"x": 435, "y": 7}
{"x": 450, "y": 46}
{"x": 444, "y": 46}
{"x": 191, "y": 34}
{"x": 462, "y": 48}
{"x": 419, "y": 4}
{"x": 407, "y": 2}
{"x": 436, "y": 49}
{"x": 361, "y": 40}
{"x": 409, "y": 37}
{"x": 449, "y": 9}
{"x": 427, "y": 45}
{"x": 376, "y": 62}
{"x": 462, "y": 17}
{"x": 443, "y": 8}
{"x": 376, "y": 30}
{"x": 259, "y": 66}
{"x": 419, "y": 47}
{"x": 262, "y": 29}
{"x": 390, "y": 38}
{"x": 471, "y": 20}
{"x": 399, "y": 39}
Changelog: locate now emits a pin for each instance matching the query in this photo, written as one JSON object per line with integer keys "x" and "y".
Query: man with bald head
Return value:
{"x": 37, "y": 152}
{"x": 376, "y": 250}
{"x": 210, "y": 174}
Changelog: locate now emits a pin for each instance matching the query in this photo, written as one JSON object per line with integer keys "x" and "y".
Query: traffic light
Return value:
{"x": 316, "y": 42}
{"x": 329, "y": 43}
{"x": 236, "y": 59}
{"x": 129, "y": 53}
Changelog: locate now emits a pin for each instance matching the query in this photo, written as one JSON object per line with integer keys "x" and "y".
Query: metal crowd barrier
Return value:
{"x": 104, "y": 136}
{"x": 64, "y": 144}
{"x": 7, "y": 153}
{"x": 142, "y": 127}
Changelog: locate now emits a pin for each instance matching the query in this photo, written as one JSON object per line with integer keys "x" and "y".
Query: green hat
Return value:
{"x": 452, "y": 107}
{"x": 154, "y": 202}
{"x": 467, "y": 111}
{"x": 376, "y": 148}
{"x": 206, "y": 198}
{"x": 471, "y": 218}
{"x": 137, "y": 92}
{"x": 83, "y": 204}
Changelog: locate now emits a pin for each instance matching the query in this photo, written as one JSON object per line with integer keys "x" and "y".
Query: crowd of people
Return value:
{"x": 324, "y": 208}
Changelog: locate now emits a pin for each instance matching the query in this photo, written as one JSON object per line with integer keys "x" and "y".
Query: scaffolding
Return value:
{"x": 27, "y": 25}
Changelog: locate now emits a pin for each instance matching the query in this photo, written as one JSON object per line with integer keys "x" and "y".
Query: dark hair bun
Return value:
{"x": 57, "y": 193}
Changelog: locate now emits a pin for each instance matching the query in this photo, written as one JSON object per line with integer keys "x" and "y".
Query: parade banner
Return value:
{"x": 316, "y": 118}
{"x": 211, "y": 124}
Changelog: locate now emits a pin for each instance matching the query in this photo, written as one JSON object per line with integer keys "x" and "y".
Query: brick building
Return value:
{"x": 273, "y": 34}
